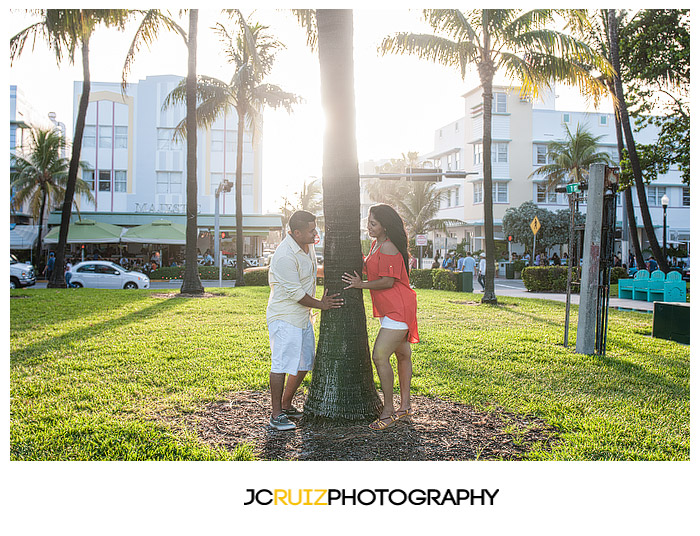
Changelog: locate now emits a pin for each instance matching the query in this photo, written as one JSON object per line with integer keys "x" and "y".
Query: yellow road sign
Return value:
{"x": 535, "y": 225}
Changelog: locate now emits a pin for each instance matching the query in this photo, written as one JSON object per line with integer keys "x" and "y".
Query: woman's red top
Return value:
{"x": 398, "y": 302}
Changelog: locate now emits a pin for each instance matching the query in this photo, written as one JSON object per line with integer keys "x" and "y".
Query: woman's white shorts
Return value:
{"x": 293, "y": 348}
{"x": 388, "y": 323}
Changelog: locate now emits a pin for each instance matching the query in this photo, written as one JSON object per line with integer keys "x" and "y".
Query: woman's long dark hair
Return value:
{"x": 395, "y": 230}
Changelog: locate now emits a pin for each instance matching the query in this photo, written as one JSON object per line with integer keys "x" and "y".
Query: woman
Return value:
{"x": 394, "y": 302}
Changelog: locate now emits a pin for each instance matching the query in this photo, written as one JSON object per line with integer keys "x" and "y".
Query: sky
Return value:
{"x": 400, "y": 100}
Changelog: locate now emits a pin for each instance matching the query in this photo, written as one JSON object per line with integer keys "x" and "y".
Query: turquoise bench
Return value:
{"x": 655, "y": 287}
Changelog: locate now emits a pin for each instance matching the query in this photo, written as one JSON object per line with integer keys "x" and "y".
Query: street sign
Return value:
{"x": 421, "y": 240}
{"x": 572, "y": 188}
{"x": 535, "y": 225}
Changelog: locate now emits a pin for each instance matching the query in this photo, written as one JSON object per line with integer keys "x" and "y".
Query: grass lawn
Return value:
{"x": 93, "y": 373}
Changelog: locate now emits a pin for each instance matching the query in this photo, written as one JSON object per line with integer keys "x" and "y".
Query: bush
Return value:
{"x": 618, "y": 272}
{"x": 421, "y": 278}
{"x": 546, "y": 278}
{"x": 257, "y": 277}
{"x": 205, "y": 272}
{"x": 444, "y": 280}
{"x": 519, "y": 265}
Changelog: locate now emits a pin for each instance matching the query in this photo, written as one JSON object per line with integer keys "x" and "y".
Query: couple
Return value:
{"x": 292, "y": 278}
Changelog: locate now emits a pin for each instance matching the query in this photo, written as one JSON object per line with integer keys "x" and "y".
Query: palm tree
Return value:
{"x": 251, "y": 50}
{"x": 515, "y": 41}
{"x": 571, "y": 157}
{"x": 342, "y": 385}
{"x": 621, "y": 112}
{"x": 40, "y": 175}
{"x": 66, "y": 30}
{"x": 152, "y": 22}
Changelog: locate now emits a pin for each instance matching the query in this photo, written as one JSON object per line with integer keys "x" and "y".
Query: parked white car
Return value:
{"x": 105, "y": 274}
{"x": 21, "y": 274}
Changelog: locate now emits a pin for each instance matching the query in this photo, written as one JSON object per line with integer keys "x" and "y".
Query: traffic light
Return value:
{"x": 510, "y": 238}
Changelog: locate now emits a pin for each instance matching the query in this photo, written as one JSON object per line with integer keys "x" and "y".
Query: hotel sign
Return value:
{"x": 163, "y": 208}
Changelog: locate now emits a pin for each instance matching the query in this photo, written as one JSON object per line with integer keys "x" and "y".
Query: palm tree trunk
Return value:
{"x": 486, "y": 72}
{"x": 44, "y": 197}
{"x": 191, "y": 283}
{"x": 58, "y": 280}
{"x": 342, "y": 385}
{"x": 631, "y": 147}
{"x": 629, "y": 205}
{"x": 239, "y": 199}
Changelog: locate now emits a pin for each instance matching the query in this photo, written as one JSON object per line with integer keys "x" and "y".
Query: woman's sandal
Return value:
{"x": 383, "y": 424}
{"x": 404, "y": 413}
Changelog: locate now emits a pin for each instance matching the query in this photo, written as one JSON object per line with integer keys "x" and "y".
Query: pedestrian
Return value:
{"x": 652, "y": 264}
{"x": 67, "y": 273}
{"x": 448, "y": 262}
{"x": 48, "y": 269}
{"x": 394, "y": 303}
{"x": 482, "y": 271}
{"x": 292, "y": 278}
{"x": 556, "y": 261}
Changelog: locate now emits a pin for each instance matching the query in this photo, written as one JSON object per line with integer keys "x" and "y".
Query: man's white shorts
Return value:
{"x": 293, "y": 348}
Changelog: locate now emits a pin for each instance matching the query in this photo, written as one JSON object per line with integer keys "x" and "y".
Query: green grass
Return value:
{"x": 98, "y": 375}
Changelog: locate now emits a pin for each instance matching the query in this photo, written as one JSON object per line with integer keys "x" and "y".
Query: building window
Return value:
{"x": 106, "y": 137}
{"x": 654, "y": 195}
{"x": 566, "y": 118}
{"x": 686, "y": 196}
{"x": 89, "y": 177}
{"x": 440, "y": 134}
{"x": 500, "y": 103}
{"x": 120, "y": 180}
{"x": 121, "y": 137}
{"x": 499, "y": 152}
{"x": 478, "y": 150}
{"x": 541, "y": 154}
{"x": 478, "y": 192}
{"x": 603, "y": 120}
{"x": 168, "y": 182}
{"x": 457, "y": 166}
{"x": 544, "y": 195}
{"x": 449, "y": 162}
{"x": 89, "y": 137}
{"x": 457, "y": 196}
{"x": 500, "y": 192}
{"x": 448, "y": 197}
{"x": 456, "y": 127}
{"x": 166, "y": 140}
{"x": 105, "y": 180}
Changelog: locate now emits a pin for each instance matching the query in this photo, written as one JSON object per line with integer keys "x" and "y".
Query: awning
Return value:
{"x": 87, "y": 232}
{"x": 156, "y": 232}
{"x": 23, "y": 236}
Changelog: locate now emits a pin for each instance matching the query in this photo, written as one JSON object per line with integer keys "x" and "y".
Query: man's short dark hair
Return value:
{"x": 300, "y": 220}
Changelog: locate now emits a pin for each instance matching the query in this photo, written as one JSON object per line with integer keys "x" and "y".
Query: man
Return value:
{"x": 50, "y": 264}
{"x": 292, "y": 278}
{"x": 467, "y": 264}
{"x": 482, "y": 271}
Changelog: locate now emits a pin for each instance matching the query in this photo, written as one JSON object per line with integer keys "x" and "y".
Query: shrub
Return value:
{"x": 519, "y": 265}
{"x": 618, "y": 272}
{"x": 257, "y": 277}
{"x": 421, "y": 278}
{"x": 545, "y": 278}
{"x": 205, "y": 272}
{"x": 444, "y": 280}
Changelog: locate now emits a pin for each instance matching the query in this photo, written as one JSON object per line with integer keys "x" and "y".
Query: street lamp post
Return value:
{"x": 664, "y": 203}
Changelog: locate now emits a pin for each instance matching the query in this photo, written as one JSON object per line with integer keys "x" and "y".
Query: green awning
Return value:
{"x": 156, "y": 232}
{"x": 87, "y": 232}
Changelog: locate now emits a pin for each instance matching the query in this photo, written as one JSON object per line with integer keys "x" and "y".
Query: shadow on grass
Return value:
{"x": 32, "y": 352}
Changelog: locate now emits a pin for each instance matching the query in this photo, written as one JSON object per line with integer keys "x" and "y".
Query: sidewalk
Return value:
{"x": 515, "y": 288}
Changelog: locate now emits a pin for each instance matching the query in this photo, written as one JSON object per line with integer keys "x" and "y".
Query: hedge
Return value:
{"x": 547, "y": 278}
{"x": 444, "y": 279}
{"x": 421, "y": 278}
{"x": 254, "y": 277}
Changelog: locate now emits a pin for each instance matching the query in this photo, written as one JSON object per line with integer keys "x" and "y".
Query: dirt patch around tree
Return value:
{"x": 441, "y": 430}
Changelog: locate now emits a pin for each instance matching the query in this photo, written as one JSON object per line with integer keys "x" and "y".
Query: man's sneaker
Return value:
{"x": 281, "y": 422}
{"x": 293, "y": 413}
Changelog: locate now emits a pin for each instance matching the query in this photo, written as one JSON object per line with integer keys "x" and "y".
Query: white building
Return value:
{"x": 138, "y": 166}
{"x": 521, "y": 131}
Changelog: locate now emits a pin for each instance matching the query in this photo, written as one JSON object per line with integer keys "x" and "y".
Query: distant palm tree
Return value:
{"x": 40, "y": 174}
{"x": 571, "y": 157}
{"x": 251, "y": 50}
{"x": 66, "y": 30}
{"x": 514, "y": 41}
